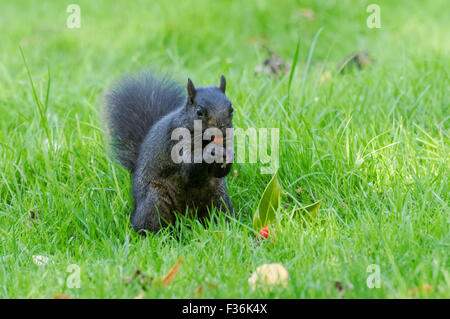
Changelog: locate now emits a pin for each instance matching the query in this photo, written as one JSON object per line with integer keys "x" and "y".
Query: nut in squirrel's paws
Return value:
{"x": 218, "y": 140}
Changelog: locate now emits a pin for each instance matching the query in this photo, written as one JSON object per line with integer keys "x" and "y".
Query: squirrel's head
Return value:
{"x": 210, "y": 105}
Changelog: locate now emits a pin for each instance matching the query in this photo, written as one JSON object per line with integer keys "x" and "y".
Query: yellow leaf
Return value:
{"x": 172, "y": 273}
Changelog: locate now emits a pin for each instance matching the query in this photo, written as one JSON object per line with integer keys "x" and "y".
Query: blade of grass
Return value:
{"x": 308, "y": 62}
{"x": 294, "y": 64}
{"x": 39, "y": 105}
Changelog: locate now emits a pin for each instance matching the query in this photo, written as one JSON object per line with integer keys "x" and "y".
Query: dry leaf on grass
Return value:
{"x": 61, "y": 296}
{"x": 172, "y": 273}
{"x": 269, "y": 275}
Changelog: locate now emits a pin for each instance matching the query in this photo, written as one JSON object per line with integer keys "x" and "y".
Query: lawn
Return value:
{"x": 372, "y": 143}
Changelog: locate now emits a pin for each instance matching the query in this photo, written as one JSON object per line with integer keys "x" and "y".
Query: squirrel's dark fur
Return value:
{"x": 141, "y": 112}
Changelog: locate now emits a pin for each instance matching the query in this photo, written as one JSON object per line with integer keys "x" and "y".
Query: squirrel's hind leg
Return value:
{"x": 152, "y": 212}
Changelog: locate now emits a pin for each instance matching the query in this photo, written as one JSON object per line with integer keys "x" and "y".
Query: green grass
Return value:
{"x": 373, "y": 144}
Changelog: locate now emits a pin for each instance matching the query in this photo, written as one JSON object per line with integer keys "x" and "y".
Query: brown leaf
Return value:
{"x": 61, "y": 296}
{"x": 172, "y": 273}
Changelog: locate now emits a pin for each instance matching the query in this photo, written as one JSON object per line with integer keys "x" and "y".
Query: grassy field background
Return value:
{"x": 373, "y": 144}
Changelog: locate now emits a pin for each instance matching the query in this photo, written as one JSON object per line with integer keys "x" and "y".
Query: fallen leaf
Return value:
{"x": 172, "y": 273}
{"x": 61, "y": 296}
{"x": 236, "y": 173}
{"x": 269, "y": 275}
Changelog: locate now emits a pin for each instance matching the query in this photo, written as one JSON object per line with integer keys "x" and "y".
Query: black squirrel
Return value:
{"x": 141, "y": 113}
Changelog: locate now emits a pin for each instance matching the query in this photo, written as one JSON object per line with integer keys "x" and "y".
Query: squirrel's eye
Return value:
{"x": 201, "y": 112}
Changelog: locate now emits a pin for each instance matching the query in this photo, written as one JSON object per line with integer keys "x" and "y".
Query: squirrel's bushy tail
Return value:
{"x": 133, "y": 105}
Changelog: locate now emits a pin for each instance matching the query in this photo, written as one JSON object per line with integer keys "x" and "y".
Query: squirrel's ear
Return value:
{"x": 191, "y": 92}
{"x": 223, "y": 83}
